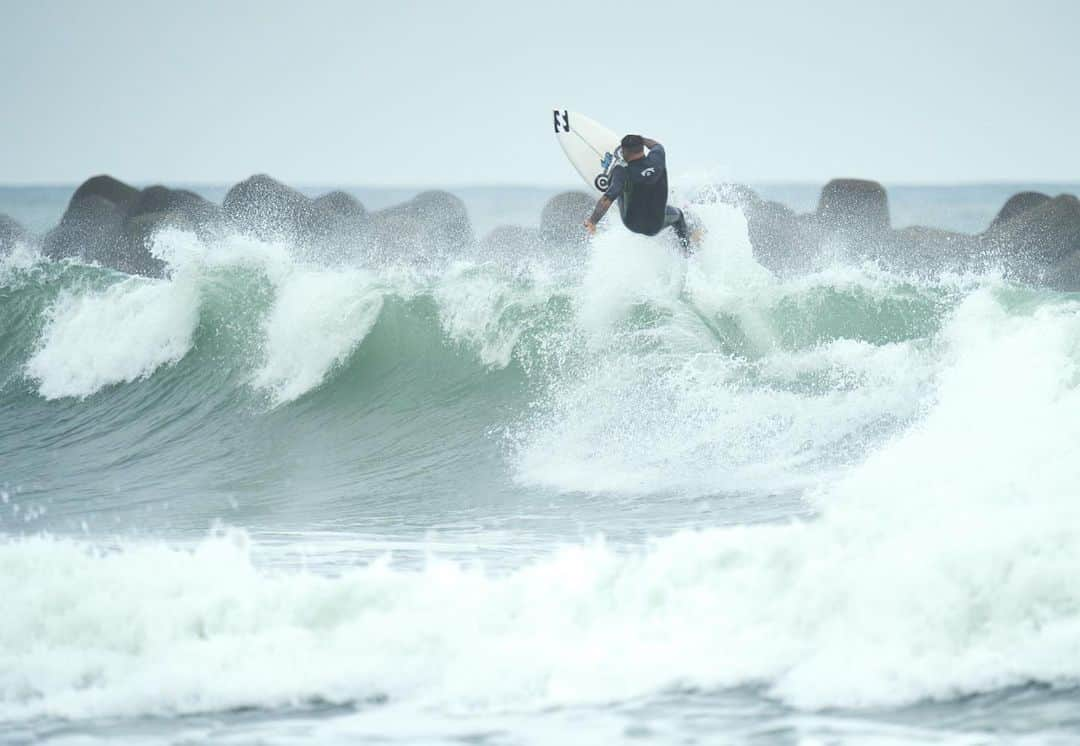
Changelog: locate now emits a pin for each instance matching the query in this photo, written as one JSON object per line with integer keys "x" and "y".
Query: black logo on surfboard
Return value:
{"x": 602, "y": 182}
{"x": 562, "y": 121}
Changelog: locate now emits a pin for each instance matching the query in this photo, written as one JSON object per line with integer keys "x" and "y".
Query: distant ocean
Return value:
{"x": 966, "y": 208}
{"x": 587, "y": 497}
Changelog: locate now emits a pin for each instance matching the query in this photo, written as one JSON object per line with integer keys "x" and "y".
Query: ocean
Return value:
{"x": 599, "y": 496}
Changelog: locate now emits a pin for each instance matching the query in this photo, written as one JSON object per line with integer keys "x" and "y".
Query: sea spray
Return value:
{"x": 695, "y": 382}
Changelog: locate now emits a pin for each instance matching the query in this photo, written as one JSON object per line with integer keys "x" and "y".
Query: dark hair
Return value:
{"x": 632, "y": 143}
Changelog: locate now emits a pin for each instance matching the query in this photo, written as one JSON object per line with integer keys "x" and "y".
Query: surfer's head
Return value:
{"x": 633, "y": 147}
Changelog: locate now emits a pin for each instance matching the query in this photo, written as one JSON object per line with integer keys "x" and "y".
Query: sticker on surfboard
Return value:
{"x": 592, "y": 148}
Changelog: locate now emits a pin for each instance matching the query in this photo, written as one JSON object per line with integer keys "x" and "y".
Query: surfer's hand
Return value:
{"x": 590, "y": 227}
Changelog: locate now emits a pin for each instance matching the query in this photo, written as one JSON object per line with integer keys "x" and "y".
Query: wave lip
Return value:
{"x": 119, "y": 335}
{"x": 318, "y": 319}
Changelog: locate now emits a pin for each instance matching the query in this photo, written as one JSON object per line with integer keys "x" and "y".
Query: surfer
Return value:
{"x": 639, "y": 185}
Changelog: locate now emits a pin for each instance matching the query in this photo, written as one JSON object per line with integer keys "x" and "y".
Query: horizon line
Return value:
{"x": 545, "y": 186}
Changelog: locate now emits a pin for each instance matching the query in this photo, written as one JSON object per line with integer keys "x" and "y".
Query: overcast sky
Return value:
{"x": 453, "y": 93}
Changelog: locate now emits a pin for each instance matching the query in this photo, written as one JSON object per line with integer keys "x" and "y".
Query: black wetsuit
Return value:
{"x": 641, "y": 189}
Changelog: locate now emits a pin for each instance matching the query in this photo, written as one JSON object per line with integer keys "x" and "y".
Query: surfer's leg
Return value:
{"x": 674, "y": 218}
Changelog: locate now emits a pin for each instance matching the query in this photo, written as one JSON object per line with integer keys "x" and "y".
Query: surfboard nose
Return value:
{"x": 562, "y": 120}
{"x": 591, "y": 148}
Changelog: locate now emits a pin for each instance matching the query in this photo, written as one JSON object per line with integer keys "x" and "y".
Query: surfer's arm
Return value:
{"x": 656, "y": 156}
{"x": 598, "y": 213}
{"x": 618, "y": 176}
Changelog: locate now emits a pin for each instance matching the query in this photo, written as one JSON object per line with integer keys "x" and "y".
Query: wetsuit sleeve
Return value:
{"x": 614, "y": 190}
{"x": 657, "y": 156}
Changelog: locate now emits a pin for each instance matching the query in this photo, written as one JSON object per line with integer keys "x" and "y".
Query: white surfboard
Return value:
{"x": 591, "y": 147}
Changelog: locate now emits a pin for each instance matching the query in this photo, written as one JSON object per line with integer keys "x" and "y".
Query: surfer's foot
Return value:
{"x": 686, "y": 237}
